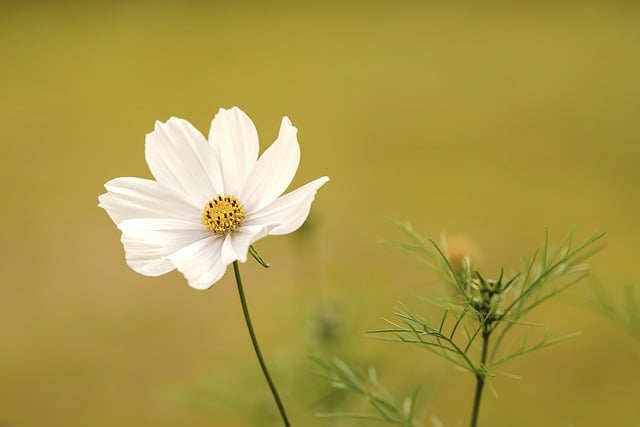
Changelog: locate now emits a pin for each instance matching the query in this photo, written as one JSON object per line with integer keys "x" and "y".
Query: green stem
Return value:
{"x": 256, "y": 347}
{"x": 481, "y": 374}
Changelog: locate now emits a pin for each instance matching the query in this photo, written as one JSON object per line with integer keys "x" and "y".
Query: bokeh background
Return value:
{"x": 488, "y": 122}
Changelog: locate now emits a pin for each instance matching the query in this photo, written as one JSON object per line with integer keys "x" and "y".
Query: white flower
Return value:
{"x": 211, "y": 199}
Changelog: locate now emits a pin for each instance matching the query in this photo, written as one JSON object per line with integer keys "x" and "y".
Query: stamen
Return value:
{"x": 223, "y": 214}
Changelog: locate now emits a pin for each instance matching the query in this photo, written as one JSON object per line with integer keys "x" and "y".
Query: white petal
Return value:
{"x": 236, "y": 244}
{"x": 129, "y": 198}
{"x": 235, "y": 139}
{"x": 288, "y": 212}
{"x": 200, "y": 262}
{"x": 148, "y": 241}
{"x": 274, "y": 170}
{"x": 180, "y": 158}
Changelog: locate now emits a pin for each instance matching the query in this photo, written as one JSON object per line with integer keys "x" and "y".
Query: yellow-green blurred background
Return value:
{"x": 486, "y": 121}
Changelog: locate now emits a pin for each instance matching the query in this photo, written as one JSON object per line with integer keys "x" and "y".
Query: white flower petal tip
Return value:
{"x": 211, "y": 198}
{"x": 287, "y": 213}
{"x": 286, "y": 123}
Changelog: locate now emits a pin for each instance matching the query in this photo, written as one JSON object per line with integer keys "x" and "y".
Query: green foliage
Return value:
{"x": 481, "y": 307}
{"x": 622, "y": 308}
{"x": 475, "y": 319}
{"x": 385, "y": 408}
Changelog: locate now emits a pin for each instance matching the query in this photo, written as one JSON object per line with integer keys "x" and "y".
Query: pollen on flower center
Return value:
{"x": 223, "y": 214}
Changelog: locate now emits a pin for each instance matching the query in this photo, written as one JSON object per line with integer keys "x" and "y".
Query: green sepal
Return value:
{"x": 257, "y": 257}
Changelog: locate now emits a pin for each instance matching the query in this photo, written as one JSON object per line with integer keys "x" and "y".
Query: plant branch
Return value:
{"x": 481, "y": 374}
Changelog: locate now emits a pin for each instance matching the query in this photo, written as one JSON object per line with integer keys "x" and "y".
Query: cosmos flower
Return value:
{"x": 211, "y": 199}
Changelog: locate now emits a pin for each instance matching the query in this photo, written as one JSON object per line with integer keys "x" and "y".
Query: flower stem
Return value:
{"x": 256, "y": 347}
{"x": 480, "y": 376}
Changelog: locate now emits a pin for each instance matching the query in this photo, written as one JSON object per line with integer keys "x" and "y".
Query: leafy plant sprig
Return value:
{"x": 475, "y": 322}
{"x": 386, "y": 409}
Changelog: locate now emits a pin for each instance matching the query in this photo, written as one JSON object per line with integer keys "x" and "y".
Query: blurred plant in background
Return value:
{"x": 475, "y": 322}
{"x": 623, "y": 308}
{"x": 366, "y": 385}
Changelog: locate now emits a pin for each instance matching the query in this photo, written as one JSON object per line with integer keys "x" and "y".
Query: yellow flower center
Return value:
{"x": 223, "y": 214}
